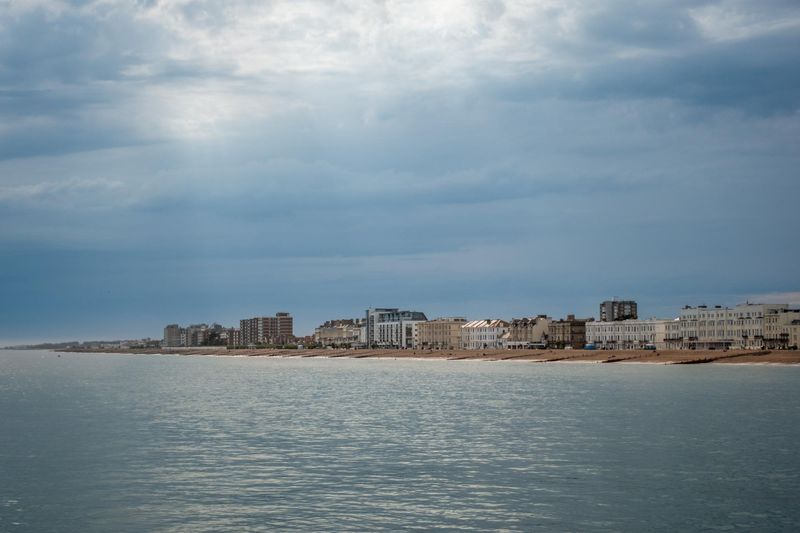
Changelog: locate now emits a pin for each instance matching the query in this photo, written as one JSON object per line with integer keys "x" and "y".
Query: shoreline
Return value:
{"x": 682, "y": 357}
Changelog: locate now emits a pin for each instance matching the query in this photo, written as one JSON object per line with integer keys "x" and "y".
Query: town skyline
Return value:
{"x": 785, "y": 298}
{"x": 307, "y": 324}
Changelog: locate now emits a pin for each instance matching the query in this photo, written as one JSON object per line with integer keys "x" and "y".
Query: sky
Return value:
{"x": 187, "y": 161}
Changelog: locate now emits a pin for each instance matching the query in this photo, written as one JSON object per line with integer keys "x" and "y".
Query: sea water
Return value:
{"x": 105, "y": 443}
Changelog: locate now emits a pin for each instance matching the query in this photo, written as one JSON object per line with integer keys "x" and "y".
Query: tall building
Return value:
{"x": 389, "y": 327}
{"x": 172, "y": 335}
{"x": 278, "y": 329}
{"x": 440, "y": 334}
{"x": 612, "y": 310}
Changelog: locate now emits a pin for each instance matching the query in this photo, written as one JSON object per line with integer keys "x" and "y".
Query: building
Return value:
{"x": 527, "y": 332}
{"x": 568, "y": 333}
{"x": 387, "y": 327}
{"x": 628, "y": 334}
{"x": 172, "y": 336}
{"x": 718, "y": 327}
{"x": 483, "y": 334}
{"x": 794, "y": 335}
{"x": 234, "y": 337}
{"x": 612, "y": 310}
{"x": 196, "y": 335}
{"x": 342, "y": 332}
{"x": 440, "y": 334}
{"x": 278, "y": 329}
{"x": 673, "y": 339}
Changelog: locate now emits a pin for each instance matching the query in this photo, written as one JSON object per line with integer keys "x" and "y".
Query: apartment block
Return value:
{"x": 389, "y": 327}
{"x": 278, "y": 329}
{"x": 612, "y": 310}
{"x": 172, "y": 335}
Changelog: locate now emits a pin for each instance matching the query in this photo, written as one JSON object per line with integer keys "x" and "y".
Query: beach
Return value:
{"x": 533, "y": 356}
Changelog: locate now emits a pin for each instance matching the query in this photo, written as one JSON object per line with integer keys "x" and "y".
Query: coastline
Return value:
{"x": 686, "y": 357}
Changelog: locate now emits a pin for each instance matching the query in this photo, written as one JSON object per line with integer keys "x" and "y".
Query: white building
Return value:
{"x": 628, "y": 334}
{"x": 742, "y": 326}
{"x": 392, "y": 328}
{"x": 483, "y": 334}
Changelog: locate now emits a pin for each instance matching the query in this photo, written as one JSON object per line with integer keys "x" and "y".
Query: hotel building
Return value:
{"x": 440, "y": 334}
{"x": 742, "y": 326}
{"x": 627, "y": 334}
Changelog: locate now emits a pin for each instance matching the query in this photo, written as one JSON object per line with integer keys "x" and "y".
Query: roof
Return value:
{"x": 488, "y": 323}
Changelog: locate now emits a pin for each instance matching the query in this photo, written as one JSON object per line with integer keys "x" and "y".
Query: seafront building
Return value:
{"x": 742, "y": 326}
{"x": 389, "y": 327}
{"x": 628, "y": 334}
{"x": 341, "y": 332}
{"x": 194, "y": 335}
{"x": 612, "y": 310}
{"x": 483, "y": 334}
{"x": 778, "y": 329}
{"x": 173, "y": 336}
{"x": 278, "y": 329}
{"x": 568, "y": 333}
{"x": 439, "y": 333}
{"x": 527, "y": 332}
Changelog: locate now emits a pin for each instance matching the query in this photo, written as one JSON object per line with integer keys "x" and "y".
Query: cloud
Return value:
{"x": 791, "y": 298}
{"x": 475, "y": 153}
{"x": 70, "y": 191}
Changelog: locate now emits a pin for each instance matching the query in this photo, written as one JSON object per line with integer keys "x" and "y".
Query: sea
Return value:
{"x": 139, "y": 443}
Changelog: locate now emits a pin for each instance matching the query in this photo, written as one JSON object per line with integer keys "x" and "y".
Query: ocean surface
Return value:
{"x": 116, "y": 443}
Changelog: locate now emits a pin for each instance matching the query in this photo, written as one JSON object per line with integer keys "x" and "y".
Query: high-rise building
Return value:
{"x": 612, "y": 310}
{"x": 172, "y": 335}
{"x": 278, "y": 329}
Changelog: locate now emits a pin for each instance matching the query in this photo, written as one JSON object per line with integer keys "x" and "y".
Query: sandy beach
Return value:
{"x": 534, "y": 356}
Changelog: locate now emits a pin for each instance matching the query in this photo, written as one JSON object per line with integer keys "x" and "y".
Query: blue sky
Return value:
{"x": 196, "y": 161}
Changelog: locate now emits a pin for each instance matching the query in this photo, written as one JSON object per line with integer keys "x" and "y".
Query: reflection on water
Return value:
{"x": 156, "y": 443}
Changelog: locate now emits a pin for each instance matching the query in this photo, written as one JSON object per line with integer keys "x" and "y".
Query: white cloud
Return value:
{"x": 737, "y": 20}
